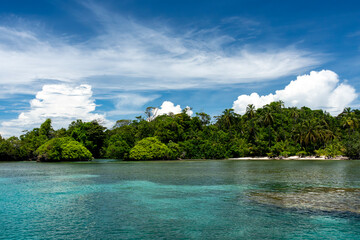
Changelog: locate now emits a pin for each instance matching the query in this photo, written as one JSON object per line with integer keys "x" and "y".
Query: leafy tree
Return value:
{"x": 117, "y": 148}
{"x": 151, "y": 113}
{"x": 90, "y": 134}
{"x": 31, "y": 140}
{"x": 349, "y": 120}
{"x": 268, "y": 120}
{"x": 150, "y": 149}
{"x": 239, "y": 148}
{"x": 10, "y": 149}
{"x": 75, "y": 151}
{"x": 227, "y": 119}
{"x": 63, "y": 149}
{"x": 332, "y": 149}
{"x": 60, "y": 133}
{"x": 121, "y": 123}
{"x": 213, "y": 150}
{"x": 250, "y": 111}
{"x": 204, "y": 118}
{"x": 352, "y": 146}
{"x": 46, "y": 129}
{"x": 167, "y": 128}
{"x": 175, "y": 150}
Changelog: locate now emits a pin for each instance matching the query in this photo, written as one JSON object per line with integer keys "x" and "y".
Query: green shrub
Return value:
{"x": 320, "y": 152}
{"x": 150, "y": 149}
{"x": 332, "y": 149}
{"x": 352, "y": 145}
{"x": 301, "y": 153}
{"x": 174, "y": 149}
{"x": 117, "y": 150}
{"x": 63, "y": 149}
{"x": 239, "y": 148}
{"x": 285, "y": 154}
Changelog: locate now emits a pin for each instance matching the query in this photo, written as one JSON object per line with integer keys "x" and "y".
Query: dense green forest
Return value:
{"x": 273, "y": 131}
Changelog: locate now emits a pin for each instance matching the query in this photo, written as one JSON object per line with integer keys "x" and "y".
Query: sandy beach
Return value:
{"x": 292, "y": 158}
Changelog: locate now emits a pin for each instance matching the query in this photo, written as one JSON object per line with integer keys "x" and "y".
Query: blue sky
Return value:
{"x": 109, "y": 60}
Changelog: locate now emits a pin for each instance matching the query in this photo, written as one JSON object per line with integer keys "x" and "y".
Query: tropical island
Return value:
{"x": 272, "y": 131}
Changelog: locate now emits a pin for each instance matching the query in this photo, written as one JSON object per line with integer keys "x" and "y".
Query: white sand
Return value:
{"x": 291, "y": 158}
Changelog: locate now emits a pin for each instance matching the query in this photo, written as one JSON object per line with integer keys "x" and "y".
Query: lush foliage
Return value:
{"x": 150, "y": 148}
{"x": 90, "y": 134}
{"x": 273, "y": 131}
{"x": 63, "y": 149}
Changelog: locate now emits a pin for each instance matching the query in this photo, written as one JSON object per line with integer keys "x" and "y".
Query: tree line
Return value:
{"x": 272, "y": 130}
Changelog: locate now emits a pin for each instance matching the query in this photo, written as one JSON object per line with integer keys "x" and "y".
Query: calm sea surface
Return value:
{"x": 180, "y": 199}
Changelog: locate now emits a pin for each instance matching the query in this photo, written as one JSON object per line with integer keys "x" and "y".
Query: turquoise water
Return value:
{"x": 176, "y": 199}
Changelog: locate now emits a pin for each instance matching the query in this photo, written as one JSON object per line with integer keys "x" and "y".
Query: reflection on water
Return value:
{"x": 180, "y": 199}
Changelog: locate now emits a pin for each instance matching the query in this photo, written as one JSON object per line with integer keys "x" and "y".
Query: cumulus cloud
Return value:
{"x": 168, "y": 107}
{"x": 317, "y": 90}
{"x": 62, "y": 103}
{"x": 128, "y": 55}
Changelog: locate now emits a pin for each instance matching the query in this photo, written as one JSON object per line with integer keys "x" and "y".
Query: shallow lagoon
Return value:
{"x": 223, "y": 199}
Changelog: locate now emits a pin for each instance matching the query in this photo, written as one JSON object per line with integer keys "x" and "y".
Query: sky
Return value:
{"x": 110, "y": 60}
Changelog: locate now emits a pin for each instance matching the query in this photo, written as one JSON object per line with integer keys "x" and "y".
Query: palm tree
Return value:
{"x": 250, "y": 114}
{"x": 294, "y": 113}
{"x": 311, "y": 132}
{"x": 349, "y": 120}
{"x": 250, "y": 111}
{"x": 276, "y": 106}
{"x": 346, "y": 111}
{"x": 228, "y": 114}
{"x": 227, "y": 118}
{"x": 314, "y": 131}
{"x": 268, "y": 117}
{"x": 268, "y": 120}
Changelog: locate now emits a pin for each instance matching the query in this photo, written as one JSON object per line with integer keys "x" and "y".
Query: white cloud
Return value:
{"x": 131, "y": 56}
{"x": 189, "y": 111}
{"x": 132, "y": 99}
{"x": 168, "y": 107}
{"x": 130, "y": 103}
{"x": 318, "y": 90}
{"x": 62, "y": 103}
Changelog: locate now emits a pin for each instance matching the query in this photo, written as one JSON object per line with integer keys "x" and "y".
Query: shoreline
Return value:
{"x": 295, "y": 158}
{"x": 339, "y": 158}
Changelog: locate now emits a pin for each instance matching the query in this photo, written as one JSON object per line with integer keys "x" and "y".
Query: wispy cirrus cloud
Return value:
{"x": 128, "y": 55}
{"x": 130, "y": 103}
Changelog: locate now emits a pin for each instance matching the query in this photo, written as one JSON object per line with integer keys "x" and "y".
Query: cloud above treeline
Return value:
{"x": 168, "y": 107}
{"x": 64, "y": 103}
{"x": 61, "y": 103}
{"x": 317, "y": 90}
